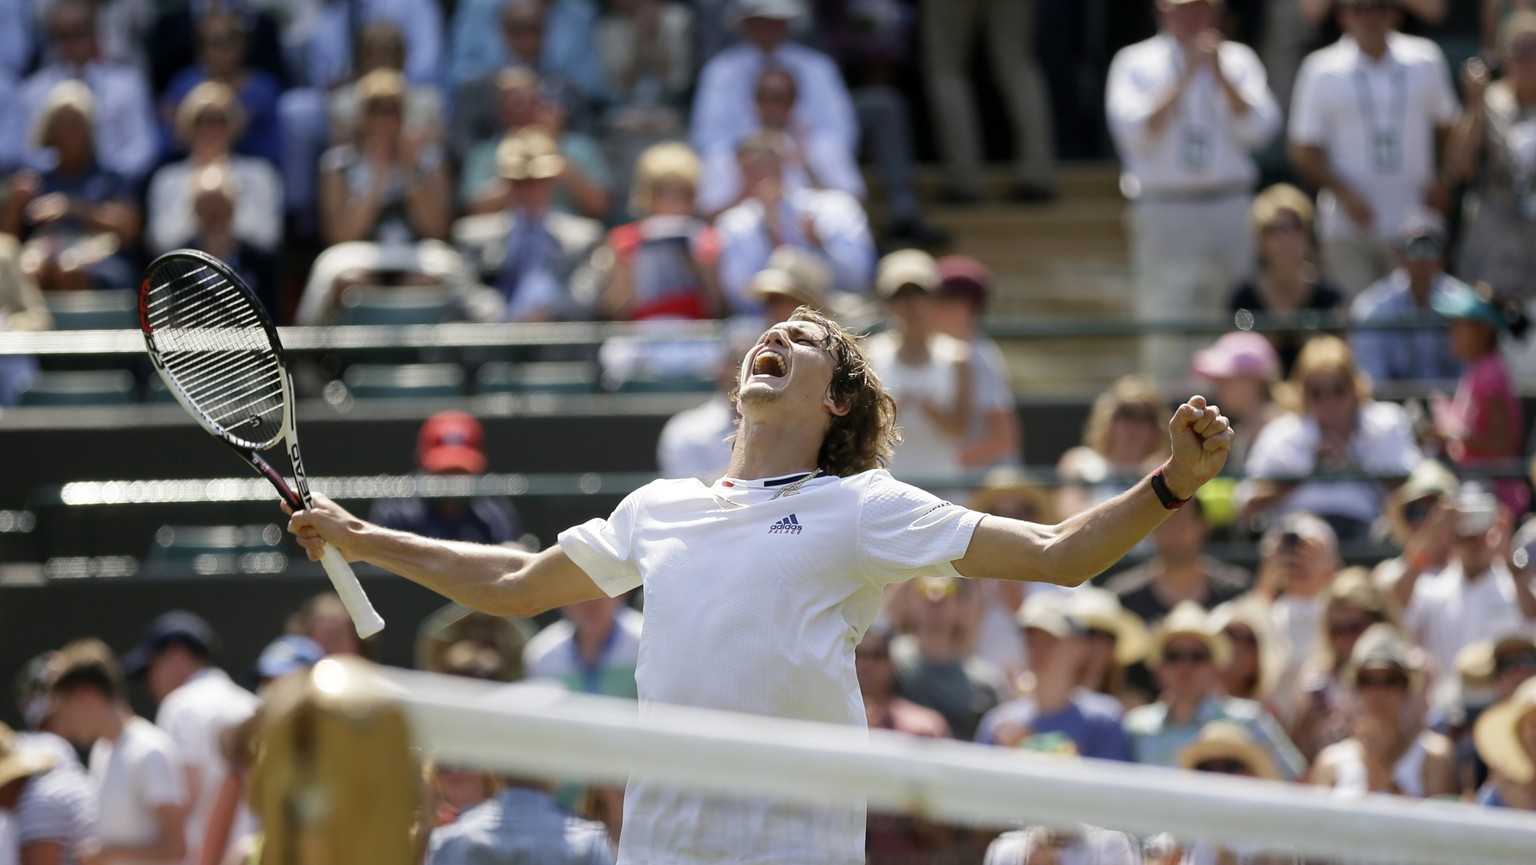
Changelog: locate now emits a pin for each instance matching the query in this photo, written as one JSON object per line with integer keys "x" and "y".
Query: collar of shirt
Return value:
{"x": 1360, "y": 60}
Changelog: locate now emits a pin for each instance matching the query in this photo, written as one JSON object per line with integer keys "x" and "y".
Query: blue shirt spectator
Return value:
{"x": 519, "y": 825}
{"x": 1089, "y": 726}
{"x": 330, "y": 50}
{"x": 479, "y": 46}
{"x": 16, "y": 47}
{"x": 1413, "y": 354}
{"x": 222, "y": 57}
{"x": 124, "y": 116}
{"x": 476, "y": 520}
{"x": 450, "y": 443}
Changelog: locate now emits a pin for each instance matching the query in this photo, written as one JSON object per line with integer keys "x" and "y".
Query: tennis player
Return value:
{"x": 758, "y": 587}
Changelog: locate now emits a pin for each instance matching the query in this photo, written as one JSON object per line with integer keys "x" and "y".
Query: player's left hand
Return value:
{"x": 1202, "y": 439}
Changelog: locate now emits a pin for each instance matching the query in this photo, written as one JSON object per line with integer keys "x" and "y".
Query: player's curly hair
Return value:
{"x": 866, "y": 436}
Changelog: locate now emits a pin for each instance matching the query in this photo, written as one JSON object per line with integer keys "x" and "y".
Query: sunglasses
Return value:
{"x": 1101, "y": 634}
{"x": 1191, "y": 657}
{"x": 1367, "y": 682}
{"x": 1336, "y": 391}
{"x": 1416, "y": 511}
{"x": 1137, "y": 413}
{"x": 211, "y": 118}
{"x": 1422, "y": 249}
{"x": 1242, "y": 635}
{"x": 1517, "y": 661}
{"x": 1348, "y": 629}
{"x": 1224, "y": 767}
{"x": 1281, "y": 226}
{"x": 386, "y": 106}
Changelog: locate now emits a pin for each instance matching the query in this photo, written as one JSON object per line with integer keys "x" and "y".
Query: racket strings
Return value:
{"x": 213, "y": 342}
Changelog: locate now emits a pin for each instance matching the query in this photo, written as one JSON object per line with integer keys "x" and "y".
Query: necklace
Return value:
{"x": 782, "y": 487}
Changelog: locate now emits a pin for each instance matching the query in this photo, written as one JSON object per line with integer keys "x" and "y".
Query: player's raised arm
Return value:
{"x": 1082, "y": 546}
{"x": 494, "y": 579}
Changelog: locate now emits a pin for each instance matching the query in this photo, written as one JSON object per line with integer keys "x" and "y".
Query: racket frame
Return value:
{"x": 298, "y": 495}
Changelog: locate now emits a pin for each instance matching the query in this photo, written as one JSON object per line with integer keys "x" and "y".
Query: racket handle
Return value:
{"x": 367, "y": 621}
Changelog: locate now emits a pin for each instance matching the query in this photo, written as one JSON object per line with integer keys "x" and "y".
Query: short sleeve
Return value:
{"x": 1445, "y": 108}
{"x": 604, "y": 549}
{"x": 46, "y": 815}
{"x": 1307, "y": 116}
{"x": 161, "y": 779}
{"x": 1277, "y": 452}
{"x": 905, "y": 532}
{"x": 186, "y": 734}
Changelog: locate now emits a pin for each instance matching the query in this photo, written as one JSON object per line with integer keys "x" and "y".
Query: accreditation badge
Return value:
{"x": 1386, "y": 152}
{"x": 1198, "y": 149}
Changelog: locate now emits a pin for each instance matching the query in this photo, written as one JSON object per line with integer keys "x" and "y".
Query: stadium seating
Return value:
{"x": 563, "y": 377}
{"x": 79, "y": 388}
{"x": 405, "y": 381}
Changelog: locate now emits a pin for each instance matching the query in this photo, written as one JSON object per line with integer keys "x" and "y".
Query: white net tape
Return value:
{"x": 539, "y": 730}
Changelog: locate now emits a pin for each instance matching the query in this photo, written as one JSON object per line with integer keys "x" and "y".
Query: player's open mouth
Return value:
{"x": 769, "y": 364}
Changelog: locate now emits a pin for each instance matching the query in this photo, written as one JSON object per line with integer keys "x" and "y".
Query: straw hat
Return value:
{"x": 795, "y": 275}
{"x": 1383, "y": 647}
{"x": 1048, "y": 612}
{"x": 1497, "y": 735}
{"x": 906, "y": 267}
{"x": 1189, "y": 619}
{"x": 1099, "y": 610}
{"x": 528, "y": 154}
{"x": 17, "y": 763}
{"x": 1430, "y": 478}
{"x": 1001, "y": 483}
{"x": 1252, "y": 613}
{"x": 1225, "y": 740}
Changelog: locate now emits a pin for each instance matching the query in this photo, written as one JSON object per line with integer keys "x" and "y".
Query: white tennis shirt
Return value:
{"x": 754, "y": 601}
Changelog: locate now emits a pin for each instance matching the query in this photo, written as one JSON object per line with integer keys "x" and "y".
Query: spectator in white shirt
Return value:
{"x": 1370, "y": 120}
{"x": 209, "y": 121}
{"x": 1335, "y": 427}
{"x": 993, "y": 437}
{"x": 1187, "y": 109}
{"x": 140, "y": 788}
{"x": 926, "y": 370}
{"x": 812, "y": 160}
{"x": 198, "y": 703}
{"x": 47, "y": 803}
{"x": 825, "y": 223}
{"x": 823, "y": 111}
{"x": 1480, "y": 592}
{"x": 125, "y": 116}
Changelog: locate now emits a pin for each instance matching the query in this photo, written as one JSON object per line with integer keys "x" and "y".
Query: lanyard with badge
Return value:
{"x": 1386, "y": 138}
{"x": 1197, "y": 144}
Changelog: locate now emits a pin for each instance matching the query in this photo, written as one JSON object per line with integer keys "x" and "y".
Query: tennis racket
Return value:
{"x": 216, "y": 350}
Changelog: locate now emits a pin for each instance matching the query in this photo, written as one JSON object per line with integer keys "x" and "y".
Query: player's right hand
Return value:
{"x": 325, "y": 523}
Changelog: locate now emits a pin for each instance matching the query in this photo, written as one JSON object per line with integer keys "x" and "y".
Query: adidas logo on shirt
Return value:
{"x": 790, "y": 525}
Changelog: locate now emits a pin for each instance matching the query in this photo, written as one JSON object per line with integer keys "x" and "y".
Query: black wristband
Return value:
{"x": 1165, "y": 495}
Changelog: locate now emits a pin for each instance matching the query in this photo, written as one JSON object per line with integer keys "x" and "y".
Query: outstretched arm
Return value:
{"x": 1076, "y": 550}
{"x": 503, "y": 581}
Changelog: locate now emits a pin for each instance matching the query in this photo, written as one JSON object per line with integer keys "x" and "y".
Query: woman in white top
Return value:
{"x": 927, "y": 372}
{"x": 209, "y": 121}
{"x": 1390, "y": 750}
{"x": 1334, "y": 426}
{"x": 1122, "y": 441}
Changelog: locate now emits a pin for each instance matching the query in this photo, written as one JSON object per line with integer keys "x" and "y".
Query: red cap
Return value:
{"x": 450, "y": 442}
{"x": 963, "y": 276}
